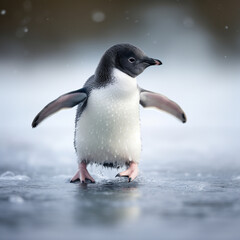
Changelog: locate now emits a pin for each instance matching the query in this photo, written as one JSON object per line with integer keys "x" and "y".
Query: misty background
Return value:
{"x": 48, "y": 48}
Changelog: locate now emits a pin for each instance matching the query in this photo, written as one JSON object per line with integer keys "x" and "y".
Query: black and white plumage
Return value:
{"x": 107, "y": 126}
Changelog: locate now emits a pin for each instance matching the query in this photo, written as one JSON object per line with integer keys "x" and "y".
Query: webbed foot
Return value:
{"x": 131, "y": 173}
{"x": 82, "y": 174}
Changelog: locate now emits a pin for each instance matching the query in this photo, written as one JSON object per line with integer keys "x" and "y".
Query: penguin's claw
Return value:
{"x": 74, "y": 181}
{"x": 82, "y": 174}
{"x": 131, "y": 172}
{"x": 87, "y": 180}
{"x": 118, "y": 175}
{"x": 76, "y": 177}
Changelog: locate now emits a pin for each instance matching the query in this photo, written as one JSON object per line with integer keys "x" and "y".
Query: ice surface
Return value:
{"x": 182, "y": 192}
{"x": 10, "y": 176}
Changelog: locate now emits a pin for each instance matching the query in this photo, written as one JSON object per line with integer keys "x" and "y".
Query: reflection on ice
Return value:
{"x": 107, "y": 202}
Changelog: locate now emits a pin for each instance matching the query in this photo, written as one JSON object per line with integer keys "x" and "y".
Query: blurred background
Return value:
{"x": 48, "y": 48}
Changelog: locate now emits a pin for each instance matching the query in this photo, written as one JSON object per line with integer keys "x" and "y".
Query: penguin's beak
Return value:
{"x": 157, "y": 62}
{"x": 152, "y": 61}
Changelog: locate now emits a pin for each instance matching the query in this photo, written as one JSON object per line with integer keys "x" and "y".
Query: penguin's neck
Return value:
{"x": 104, "y": 70}
{"x": 123, "y": 85}
{"x": 122, "y": 76}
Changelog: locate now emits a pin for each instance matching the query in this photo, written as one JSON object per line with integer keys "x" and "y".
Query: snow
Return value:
{"x": 25, "y": 29}
{"x": 3, "y": 12}
{"x": 98, "y": 16}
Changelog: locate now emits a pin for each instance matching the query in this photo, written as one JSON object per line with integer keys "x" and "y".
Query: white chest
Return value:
{"x": 108, "y": 130}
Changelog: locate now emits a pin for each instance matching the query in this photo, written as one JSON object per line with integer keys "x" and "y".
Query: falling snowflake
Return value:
{"x": 25, "y": 29}
{"x": 3, "y": 12}
{"x": 98, "y": 16}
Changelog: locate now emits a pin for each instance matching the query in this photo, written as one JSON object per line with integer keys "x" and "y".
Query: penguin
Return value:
{"x": 107, "y": 123}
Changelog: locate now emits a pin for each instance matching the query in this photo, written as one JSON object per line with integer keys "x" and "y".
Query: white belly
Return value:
{"x": 108, "y": 130}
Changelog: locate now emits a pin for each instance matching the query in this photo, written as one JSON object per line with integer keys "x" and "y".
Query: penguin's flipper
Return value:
{"x": 67, "y": 100}
{"x": 151, "y": 99}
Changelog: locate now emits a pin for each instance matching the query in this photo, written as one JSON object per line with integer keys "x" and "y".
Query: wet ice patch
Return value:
{"x": 10, "y": 176}
{"x": 61, "y": 177}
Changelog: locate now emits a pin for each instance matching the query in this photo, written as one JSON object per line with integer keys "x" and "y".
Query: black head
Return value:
{"x": 127, "y": 58}
{"x": 132, "y": 60}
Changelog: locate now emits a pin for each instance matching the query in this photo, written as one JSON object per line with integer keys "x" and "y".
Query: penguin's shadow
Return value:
{"x": 107, "y": 202}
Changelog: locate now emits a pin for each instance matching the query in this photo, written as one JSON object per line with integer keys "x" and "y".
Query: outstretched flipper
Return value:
{"x": 67, "y": 100}
{"x": 151, "y": 99}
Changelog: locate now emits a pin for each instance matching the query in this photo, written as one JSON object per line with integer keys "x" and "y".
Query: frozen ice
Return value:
{"x": 7, "y": 174}
{"x": 10, "y": 176}
{"x": 61, "y": 177}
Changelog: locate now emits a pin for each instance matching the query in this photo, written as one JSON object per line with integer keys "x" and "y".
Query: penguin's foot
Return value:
{"x": 131, "y": 172}
{"x": 82, "y": 174}
{"x": 76, "y": 178}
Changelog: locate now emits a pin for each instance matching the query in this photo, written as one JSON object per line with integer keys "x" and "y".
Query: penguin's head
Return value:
{"x": 131, "y": 60}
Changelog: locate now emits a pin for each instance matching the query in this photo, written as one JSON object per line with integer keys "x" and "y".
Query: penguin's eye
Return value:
{"x": 131, "y": 59}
